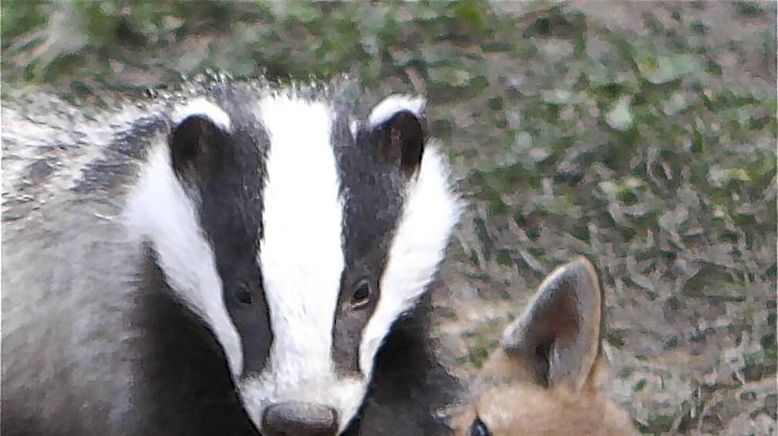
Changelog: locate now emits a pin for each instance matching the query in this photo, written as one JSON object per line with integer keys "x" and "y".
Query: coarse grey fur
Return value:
{"x": 79, "y": 297}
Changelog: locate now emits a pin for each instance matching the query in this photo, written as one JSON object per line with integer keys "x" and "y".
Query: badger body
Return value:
{"x": 234, "y": 259}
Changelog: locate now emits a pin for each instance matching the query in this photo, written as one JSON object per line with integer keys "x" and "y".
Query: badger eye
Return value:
{"x": 243, "y": 294}
{"x": 361, "y": 295}
{"x": 478, "y": 428}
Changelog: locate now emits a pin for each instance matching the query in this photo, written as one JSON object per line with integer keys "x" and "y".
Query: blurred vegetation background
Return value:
{"x": 639, "y": 134}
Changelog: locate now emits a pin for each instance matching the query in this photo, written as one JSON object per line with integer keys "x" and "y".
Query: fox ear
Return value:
{"x": 558, "y": 336}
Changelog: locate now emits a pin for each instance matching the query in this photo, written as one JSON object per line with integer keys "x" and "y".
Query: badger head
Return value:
{"x": 299, "y": 233}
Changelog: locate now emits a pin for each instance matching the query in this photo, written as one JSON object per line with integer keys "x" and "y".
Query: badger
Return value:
{"x": 229, "y": 259}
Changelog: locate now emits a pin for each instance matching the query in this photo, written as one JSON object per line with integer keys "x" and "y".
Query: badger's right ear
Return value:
{"x": 195, "y": 126}
{"x": 558, "y": 337}
{"x": 399, "y": 123}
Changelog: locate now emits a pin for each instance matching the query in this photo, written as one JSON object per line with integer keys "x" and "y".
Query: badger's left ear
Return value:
{"x": 399, "y": 125}
{"x": 198, "y": 127}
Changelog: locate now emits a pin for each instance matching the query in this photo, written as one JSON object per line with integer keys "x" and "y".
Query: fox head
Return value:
{"x": 545, "y": 377}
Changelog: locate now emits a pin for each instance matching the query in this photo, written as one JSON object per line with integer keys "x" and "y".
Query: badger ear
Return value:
{"x": 400, "y": 126}
{"x": 558, "y": 336}
{"x": 195, "y": 126}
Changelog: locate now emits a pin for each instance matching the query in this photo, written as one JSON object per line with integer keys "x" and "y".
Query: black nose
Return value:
{"x": 300, "y": 419}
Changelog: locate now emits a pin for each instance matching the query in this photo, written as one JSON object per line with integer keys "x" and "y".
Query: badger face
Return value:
{"x": 299, "y": 236}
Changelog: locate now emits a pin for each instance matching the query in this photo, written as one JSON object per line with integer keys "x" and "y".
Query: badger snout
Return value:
{"x": 298, "y": 418}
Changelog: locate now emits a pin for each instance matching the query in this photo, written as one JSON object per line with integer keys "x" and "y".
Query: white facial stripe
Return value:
{"x": 353, "y": 127}
{"x": 301, "y": 256}
{"x": 201, "y": 106}
{"x": 431, "y": 210}
{"x": 159, "y": 210}
{"x": 393, "y": 104}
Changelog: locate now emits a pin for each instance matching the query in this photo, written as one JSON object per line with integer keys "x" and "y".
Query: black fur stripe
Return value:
{"x": 228, "y": 179}
{"x": 372, "y": 189}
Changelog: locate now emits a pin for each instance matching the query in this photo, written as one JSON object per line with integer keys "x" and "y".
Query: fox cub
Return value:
{"x": 545, "y": 377}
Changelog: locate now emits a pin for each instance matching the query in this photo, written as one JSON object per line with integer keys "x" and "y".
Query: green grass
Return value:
{"x": 641, "y": 135}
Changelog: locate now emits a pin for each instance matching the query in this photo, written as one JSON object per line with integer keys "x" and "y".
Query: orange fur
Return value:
{"x": 520, "y": 406}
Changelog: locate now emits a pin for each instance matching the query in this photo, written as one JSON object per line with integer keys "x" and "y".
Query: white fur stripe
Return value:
{"x": 159, "y": 210}
{"x": 301, "y": 256}
{"x": 431, "y": 210}
{"x": 389, "y": 106}
{"x": 201, "y": 106}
